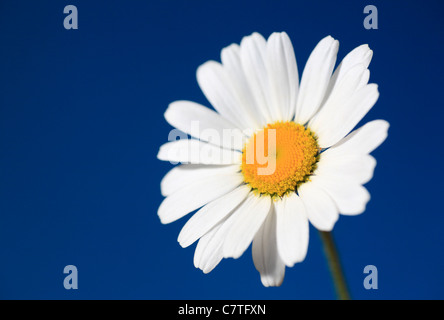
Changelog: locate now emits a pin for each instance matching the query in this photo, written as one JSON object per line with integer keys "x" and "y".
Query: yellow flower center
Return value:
{"x": 279, "y": 158}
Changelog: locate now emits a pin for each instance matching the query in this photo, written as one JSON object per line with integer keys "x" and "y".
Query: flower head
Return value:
{"x": 275, "y": 155}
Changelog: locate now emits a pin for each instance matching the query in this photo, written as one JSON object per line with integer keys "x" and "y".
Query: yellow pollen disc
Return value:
{"x": 279, "y": 158}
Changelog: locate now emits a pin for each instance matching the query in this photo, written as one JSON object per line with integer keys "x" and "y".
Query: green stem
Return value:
{"x": 335, "y": 265}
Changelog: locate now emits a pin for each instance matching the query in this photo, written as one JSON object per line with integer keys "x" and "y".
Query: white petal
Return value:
{"x": 210, "y": 215}
{"x": 283, "y": 76}
{"x": 249, "y": 217}
{"x": 336, "y": 104}
{"x": 346, "y": 116}
{"x": 208, "y": 251}
{"x": 196, "y": 195}
{"x": 360, "y": 55}
{"x": 364, "y": 80}
{"x": 343, "y": 90}
{"x": 350, "y": 197}
{"x": 197, "y": 152}
{"x": 205, "y": 124}
{"x": 222, "y": 94}
{"x": 315, "y": 79}
{"x": 292, "y": 229}
{"x": 231, "y": 60}
{"x": 320, "y": 208}
{"x": 265, "y": 253}
{"x": 350, "y": 157}
{"x": 363, "y": 140}
{"x": 356, "y": 167}
{"x": 186, "y": 174}
{"x": 253, "y": 50}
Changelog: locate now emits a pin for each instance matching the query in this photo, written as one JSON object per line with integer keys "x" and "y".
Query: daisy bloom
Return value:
{"x": 276, "y": 154}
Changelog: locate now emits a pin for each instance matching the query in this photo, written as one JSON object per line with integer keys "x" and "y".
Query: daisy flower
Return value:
{"x": 314, "y": 168}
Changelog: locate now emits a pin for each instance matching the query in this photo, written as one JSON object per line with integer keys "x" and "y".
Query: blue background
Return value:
{"x": 81, "y": 121}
